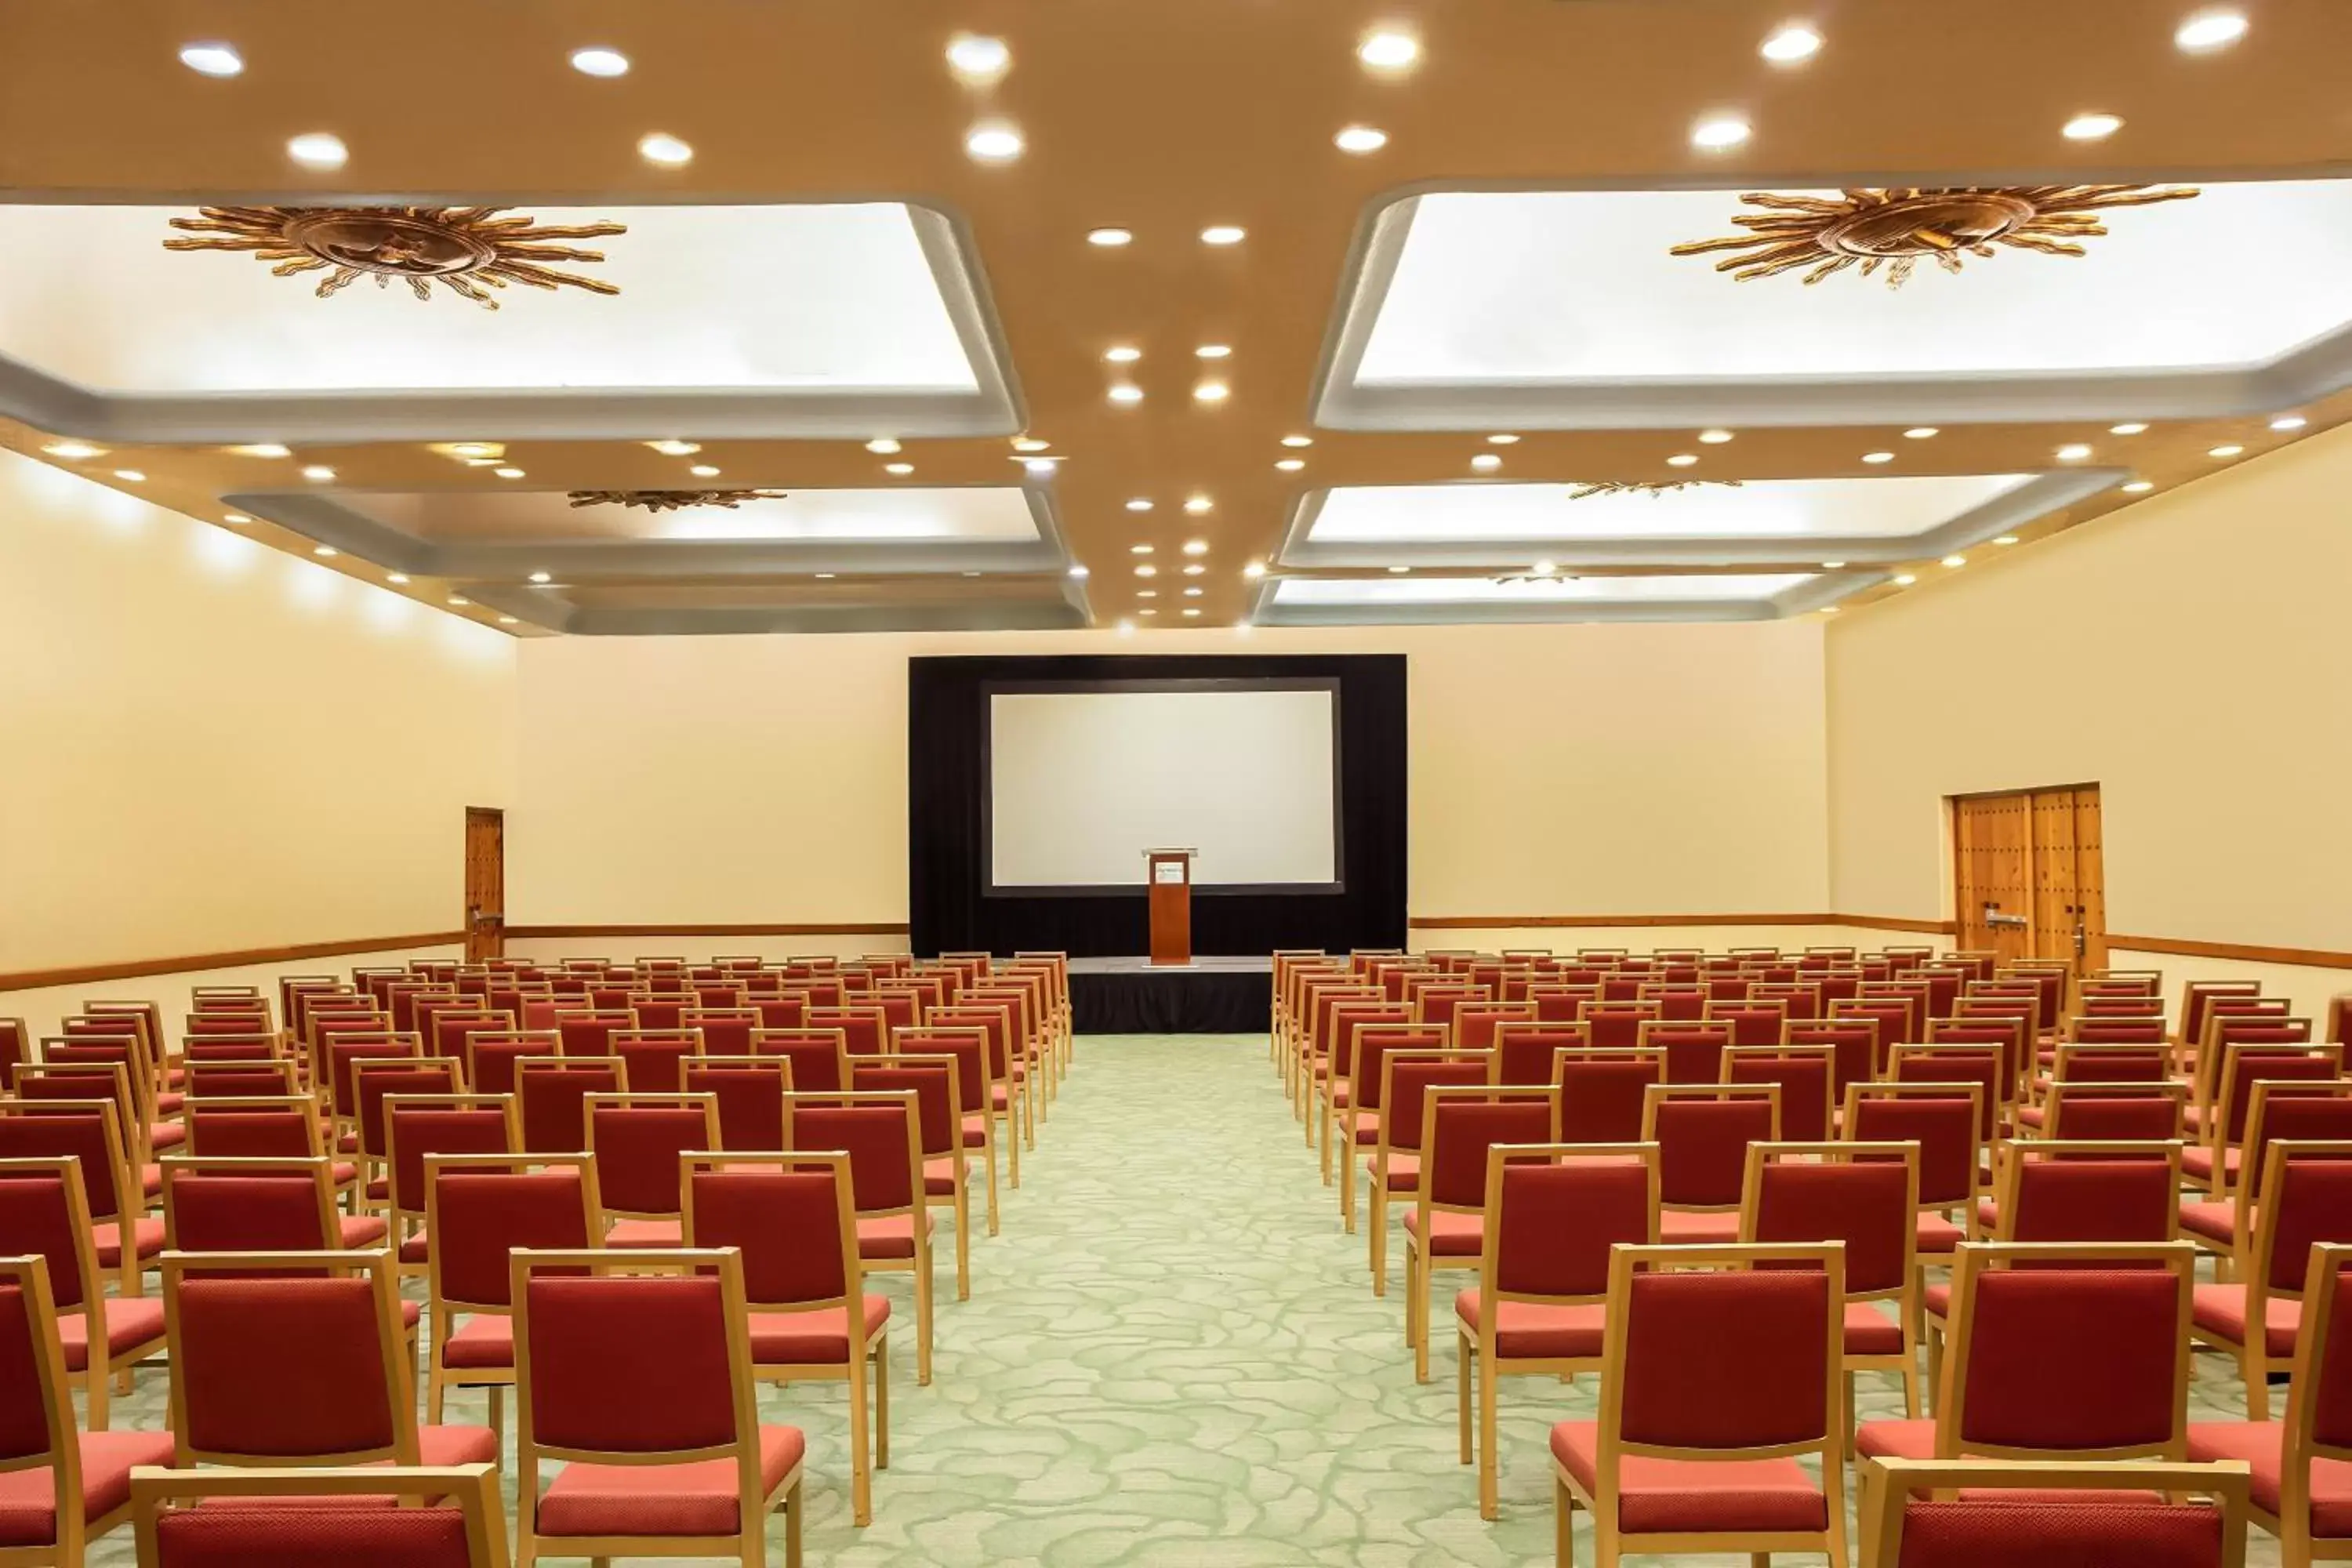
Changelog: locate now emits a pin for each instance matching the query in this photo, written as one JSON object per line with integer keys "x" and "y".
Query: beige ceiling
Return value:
{"x": 1162, "y": 120}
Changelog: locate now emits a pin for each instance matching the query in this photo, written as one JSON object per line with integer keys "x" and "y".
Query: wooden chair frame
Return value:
{"x": 473, "y": 1490}
{"x": 1421, "y": 1259}
{"x": 1385, "y": 1191}
{"x": 1900, "y": 1479}
{"x": 102, "y": 1368}
{"x": 920, "y": 1265}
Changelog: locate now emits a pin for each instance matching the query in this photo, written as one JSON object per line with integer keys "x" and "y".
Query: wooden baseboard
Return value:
{"x": 2306, "y": 957}
{"x": 1573, "y": 922}
{"x": 837, "y": 928}
{"x": 241, "y": 958}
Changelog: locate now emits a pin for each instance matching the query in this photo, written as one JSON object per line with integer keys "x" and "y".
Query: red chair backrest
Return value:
{"x": 1558, "y": 1219}
{"x": 37, "y": 1221}
{"x": 1694, "y": 1050}
{"x": 1703, "y": 1146}
{"x": 591, "y": 1034}
{"x": 1945, "y": 1130}
{"x": 480, "y": 1216}
{"x": 250, "y": 1132}
{"x": 750, "y": 1096}
{"x": 637, "y": 1149}
{"x": 418, "y": 1130}
{"x": 1866, "y": 1206}
{"x": 215, "y": 1212}
{"x": 875, "y": 1136}
{"x": 816, "y": 1056}
{"x": 1600, "y": 1095}
{"x": 2091, "y": 1199}
{"x": 2072, "y": 1358}
{"x": 655, "y": 1057}
{"x": 788, "y": 1224}
{"x": 1409, "y": 1079}
{"x": 1852, "y": 1040}
{"x": 234, "y": 1336}
{"x": 938, "y": 1128}
{"x": 1466, "y": 1126}
{"x": 1805, "y": 1081}
{"x": 629, "y": 1362}
{"x": 1763, "y": 1332}
{"x": 1524, "y": 1048}
{"x": 77, "y": 1133}
{"x": 553, "y": 1101}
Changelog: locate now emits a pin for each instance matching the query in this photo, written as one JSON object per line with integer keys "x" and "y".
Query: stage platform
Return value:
{"x": 1206, "y": 996}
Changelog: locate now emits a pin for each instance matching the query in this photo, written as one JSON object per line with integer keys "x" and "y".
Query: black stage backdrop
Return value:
{"x": 951, "y": 910}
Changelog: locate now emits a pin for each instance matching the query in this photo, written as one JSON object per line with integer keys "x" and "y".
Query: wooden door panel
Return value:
{"x": 2034, "y": 857}
{"x": 486, "y": 883}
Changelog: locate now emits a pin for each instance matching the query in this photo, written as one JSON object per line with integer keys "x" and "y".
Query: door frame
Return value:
{"x": 2092, "y": 950}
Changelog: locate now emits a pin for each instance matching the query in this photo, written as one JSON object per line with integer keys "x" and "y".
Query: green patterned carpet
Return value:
{"x": 1172, "y": 1359}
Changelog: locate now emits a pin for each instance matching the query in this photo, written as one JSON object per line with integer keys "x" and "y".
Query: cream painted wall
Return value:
{"x": 2187, "y": 653}
{"x": 214, "y": 746}
{"x": 1553, "y": 770}
{"x": 43, "y": 1008}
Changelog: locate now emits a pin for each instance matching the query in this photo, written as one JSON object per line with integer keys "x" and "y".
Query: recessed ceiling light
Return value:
{"x": 1126, "y": 629}
{"x": 1214, "y": 351}
{"x": 2074, "y": 452}
{"x": 1922, "y": 433}
{"x": 1878, "y": 457}
{"x": 825, "y": 576}
{"x": 882, "y": 444}
{"x": 1141, "y": 549}
{"x": 507, "y": 621}
{"x": 1788, "y": 44}
{"x": 457, "y": 449}
{"x": 1141, "y": 503}
{"x": 235, "y": 518}
{"x": 1042, "y": 467}
{"x": 1502, "y": 438}
{"x": 2134, "y": 428}
{"x": 1197, "y": 505}
{"x": 703, "y": 471}
{"x": 2216, "y": 28}
{"x": 1126, "y": 393}
{"x": 1196, "y": 547}
{"x": 1192, "y": 592}
{"x": 1715, "y": 437}
{"x": 1486, "y": 462}
{"x": 318, "y": 473}
{"x": 1718, "y": 133}
{"x": 1147, "y": 593}
{"x": 1147, "y": 612}
{"x": 1906, "y": 580}
{"x": 317, "y": 150}
{"x": 2006, "y": 538}
{"x": 1191, "y": 609}
{"x": 509, "y": 473}
{"x": 1546, "y": 568}
{"x": 324, "y": 550}
{"x": 1290, "y": 465}
{"x": 397, "y": 577}
{"x": 1211, "y": 392}
{"x": 1146, "y": 570}
{"x": 2230, "y": 450}
{"x": 597, "y": 61}
{"x": 1029, "y": 443}
{"x": 972, "y": 574}
{"x": 1110, "y": 238}
{"x": 261, "y": 449}
{"x": 1123, "y": 353}
{"x": 2092, "y": 127}
{"x": 1195, "y": 570}
{"x": 978, "y": 58}
{"x": 675, "y": 449}
{"x": 1079, "y": 571}
{"x": 1955, "y": 560}
{"x": 2289, "y": 422}
{"x": 901, "y": 469}
{"x": 1828, "y": 609}
{"x": 212, "y": 59}
{"x": 1682, "y": 459}
{"x": 1223, "y": 234}
{"x": 542, "y": 577}
{"x": 1300, "y": 440}
{"x": 1833, "y": 566}
{"x": 993, "y": 142}
{"x": 1361, "y": 138}
{"x": 1388, "y": 50}
{"x": 73, "y": 451}
{"x": 1400, "y": 571}
{"x": 130, "y": 475}
{"x": 2139, "y": 487}
{"x": 459, "y": 600}
{"x": 666, "y": 151}
{"x": 1255, "y": 570}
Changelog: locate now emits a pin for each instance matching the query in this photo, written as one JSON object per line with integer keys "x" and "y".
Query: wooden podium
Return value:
{"x": 1170, "y": 872}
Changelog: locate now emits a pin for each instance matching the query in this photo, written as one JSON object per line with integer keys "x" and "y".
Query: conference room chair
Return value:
{"x": 1662, "y": 1472}
{"x": 45, "y": 1461}
{"x": 102, "y": 1080}
{"x": 1602, "y": 1091}
{"x": 44, "y": 1213}
{"x": 374, "y": 1081}
{"x": 1332, "y": 1069}
{"x": 1945, "y": 1121}
{"x": 640, "y": 1386}
{"x": 791, "y": 1219}
{"x": 234, "y": 1046}
{"x": 820, "y": 1057}
{"x": 1446, "y": 1227}
{"x": 1853, "y": 1048}
{"x": 1553, "y": 1213}
{"x": 725, "y": 1031}
{"x": 1702, "y": 1131}
{"x": 656, "y": 1058}
{"x": 1963, "y": 1513}
{"x": 478, "y": 1209}
{"x": 636, "y": 1141}
{"x": 2232, "y": 1020}
{"x": 339, "y": 1055}
{"x": 263, "y": 1074}
{"x": 878, "y": 1130}
{"x": 552, "y": 1098}
{"x": 1396, "y": 1160}
{"x": 419, "y": 1126}
{"x": 968, "y": 1049}
{"x": 1024, "y": 1048}
{"x": 2292, "y": 1110}
{"x": 1980, "y": 1064}
{"x": 2303, "y": 1197}
{"x": 1525, "y": 1048}
{"x": 1616, "y": 1023}
{"x": 2079, "y": 1109}
{"x": 1362, "y": 1115}
{"x": 405, "y": 1517}
{"x": 254, "y": 1204}
{"x": 750, "y": 1092}
{"x": 946, "y": 1164}
{"x": 123, "y": 1239}
{"x": 324, "y": 1332}
{"x": 2215, "y": 1158}
{"x": 1694, "y": 1048}
{"x": 1862, "y": 1195}
{"x": 2057, "y": 1351}
{"x": 1008, "y": 1076}
{"x": 1806, "y": 1075}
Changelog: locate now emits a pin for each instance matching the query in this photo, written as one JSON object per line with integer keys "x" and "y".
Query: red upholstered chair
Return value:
{"x": 1406, "y": 1076}
{"x": 1805, "y": 1075}
{"x": 946, "y": 1165}
{"x": 967, "y": 1049}
{"x": 259, "y": 1205}
{"x": 1967, "y": 1513}
{"x": 1601, "y": 1091}
{"x": 820, "y": 1057}
{"x": 2302, "y": 1464}
{"x": 725, "y": 1031}
{"x": 656, "y": 1058}
{"x": 1702, "y": 1132}
{"x": 108, "y": 1082}
{"x": 322, "y": 1333}
{"x": 2058, "y": 1350}
{"x": 1977, "y": 1063}
{"x": 1668, "y": 1470}
{"x": 1553, "y": 1213}
{"x": 478, "y": 1208}
{"x": 640, "y": 1383}
{"x": 1863, "y": 1196}
{"x": 1446, "y": 1227}
{"x": 2223, "y": 1125}
{"x": 1852, "y": 1044}
{"x": 1753, "y": 1022}
{"x": 588, "y": 1032}
{"x": 490, "y": 1056}
{"x": 44, "y": 1214}
{"x": 791, "y": 1218}
{"x": 1332, "y": 1072}
{"x": 267, "y": 1517}
{"x": 2079, "y": 1109}
{"x": 636, "y": 1141}
{"x": 1694, "y": 1048}
{"x": 114, "y": 1196}
{"x": 750, "y": 1093}
{"x": 552, "y": 1095}
{"x": 1525, "y": 1049}
{"x": 1617, "y": 1023}
{"x": 372, "y": 1082}
{"x": 1945, "y": 1121}
{"x": 2304, "y": 1197}
{"x": 240, "y": 1078}
{"x": 1475, "y": 1023}
{"x": 42, "y": 1457}
{"x": 659, "y": 1010}
{"x": 1677, "y": 1003}
{"x": 1363, "y": 1112}
{"x": 418, "y": 1126}
{"x": 2297, "y": 1111}
{"x": 881, "y": 1132}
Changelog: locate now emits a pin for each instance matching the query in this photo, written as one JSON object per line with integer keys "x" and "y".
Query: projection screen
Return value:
{"x": 1083, "y": 778}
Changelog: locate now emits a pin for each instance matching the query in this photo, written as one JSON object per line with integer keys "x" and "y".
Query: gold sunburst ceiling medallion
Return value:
{"x": 671, "y": 501}
{"x": 1897, "y": 228}
{"x": 1653, "y": 489}
{"x": 470, "y": 251}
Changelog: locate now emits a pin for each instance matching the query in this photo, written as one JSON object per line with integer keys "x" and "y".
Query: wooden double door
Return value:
{"x": 2029, "y": 876}
{"x": 486, "y": 883}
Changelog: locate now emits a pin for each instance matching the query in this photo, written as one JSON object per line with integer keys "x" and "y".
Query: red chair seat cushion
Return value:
{"x": 2031, "y": 1115}
{"x": 146, "y": 1236}
{"x": 1697, "y": 1497}
{"x": 2221, "y": 1309}
{"x": 976, "y": 1130}
{"x": 29, "y": 1511}
{"x": 941, "y": 1177}
{"x": 363, "y": 1230}
{"x": 1937, "y": 1300}
{"x": 170, "y": 1102}
{"x": 2214, "y": 1222}
{"x": 130, "y": 1322}
{"x": 1988, "y": 1216}
{"x": 892, "y": 1236}
{"x": 2258, "y": 1444}
{"x": 646, "y": 1233}
{"x": 438, "y": 1445}
{"x": 812, "y": 1338}
{"x": 414, "y": 1249}
{"x": 1938, "y": 1234}
{"x": 1895, "y": 1440}
{"x": 1679, "y": 1229}
{"x": 1367, "y": 1129}
{"x": 483, "y": 1342}
{"x": 1870, "y": 1331}
{"x": 1533, "y": 1331}
{"x": 1404, "y": 1171}
{"x": 696, "y": 1499}
{"x": 163, "y": 1135}
{"x": 2197, "y": 1160}
{"x": 1450, "y": 1235}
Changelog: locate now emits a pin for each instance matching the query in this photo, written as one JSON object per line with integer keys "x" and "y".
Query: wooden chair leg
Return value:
{"x": 1490, "y": 1457}
{"x": 792, "y": 1526}
{"x": 881, "y": 1357}
{"x": 963, "y": 1238}
{"x": 1462, "y": 1400}
{"x": 861, "y": 1481}
{"x": 1563, "y": 1505}
{"x": 2254, "y": 1367}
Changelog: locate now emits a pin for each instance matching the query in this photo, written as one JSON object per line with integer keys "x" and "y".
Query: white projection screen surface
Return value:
{"x": 1082, "y": 782}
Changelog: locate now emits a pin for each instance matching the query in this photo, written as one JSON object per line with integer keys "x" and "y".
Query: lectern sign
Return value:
{"x": 1171, "y": 904}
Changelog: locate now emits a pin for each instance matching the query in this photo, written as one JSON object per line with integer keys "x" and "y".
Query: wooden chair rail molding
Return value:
{"x": 240, "y": 958}
{"x": 1493, "y": 922}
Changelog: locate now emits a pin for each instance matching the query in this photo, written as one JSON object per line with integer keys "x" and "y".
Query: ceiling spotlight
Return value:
{"x": 703, "y": 471}
{"x": 1147, "y": 593}
{"x": 318, "y": 473}
{"x": 1306, "y": 441}
{"x": 317, "y": 150}
{"x": 1718, "y": 133}
{"x": 978, "y": 58}
{"x": 2230, "y": 450}
{"x": 1141, "y": 549}
{"x": 1223, "y": 234}
{"x": 130, "y": 475}
{"x": 1790, "y": 44}
{"x": 1828, "y": 609}
{"x": 1290, "y": 465}
{"x": 509, "y": 473}
{"x": 542, "y": 577}
{"x": 1955, "y": 560}
{"x": 1146, "y": 570}
{"x": 2074, "y": 452}
{"x": 73, "y": 451}
{"x": 1198, "y": 505}
{"x": 1361, "y": 138}
{"x": 2006, "y": 538}
{"x": 1255, "y": 570}
{"x": 1141, "y": 503}
{"x": 2289, "y": 422}
{"x": 1546, "y": 568}
{"x": 2216, "y": 28}
{"x": 459, "y": 600}
{"x": 600, "y": 62}
{"x": 993, "y": 142}
{"x": 824, "y": 576}
{"x": 1192, "y": 592}
{"x": 1921, "y": 432}
{"x": 1400, "y": 571}
{"x": 235, "y": 518}
{"x": 397, "y": 577}
{"x": 1878, "y": 457}
{"x": 1041, "y": 467}
{"x": 1681, "y": 460}
{"x": 324, "y": 550}
{"x": 665, "y": 151}
{"x": 903, "y": 470}
{"x": 1906, "y": 580}
{"x": 1388, "y": 51}
{"x": 1715, "y": 437}
{"x": 212, "y": 59}
{"x": 1127, "y": 392}
{"x": 1147, "y": 612}
{"x": 1211, "y": 392}
{"x": 1833, "y": 566}
{"x": 1191, "y": 609}
{"x": 1486, "y": 462}
{"x": 1126, "y": 629}
{"x": 1195, "y": 570}
{"x": 2139, "y": 488}
{"x": 1196, "y": 547}
{"x": 1214, "y": 351}
{"x": 972, "y": 574}
{"x": 1124, "y": 353}
{"x": 1502, "y": 439}
{"x": 2134, "y": 428}
{"x": 1110, "y": 238}
{"x": 1080, "y": 572}
{"x": 675, "y": 449}
{"x": 882, "y": 446}
{"x": 2092, "y": 127}
{"x": 272, "y": 450}
{"x": 507, "y": 621}
{"x": 457, "y": 449}
{"x": 1029, "y": 443}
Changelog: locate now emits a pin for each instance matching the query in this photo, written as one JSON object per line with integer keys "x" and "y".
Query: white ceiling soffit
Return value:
{"x": 994, "y": 514}
{"x": 1565, "y": 309}
{"x": 818, "y": 320}
{"x": 1408, "y": 601}
{"x": 1483, "y": 523}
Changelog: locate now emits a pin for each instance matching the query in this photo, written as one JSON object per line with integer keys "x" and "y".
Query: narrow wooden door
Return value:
{"x": 2028, "y": 875}
{"x": 486, "y": 883}
{"x": 1992, "y": 838}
